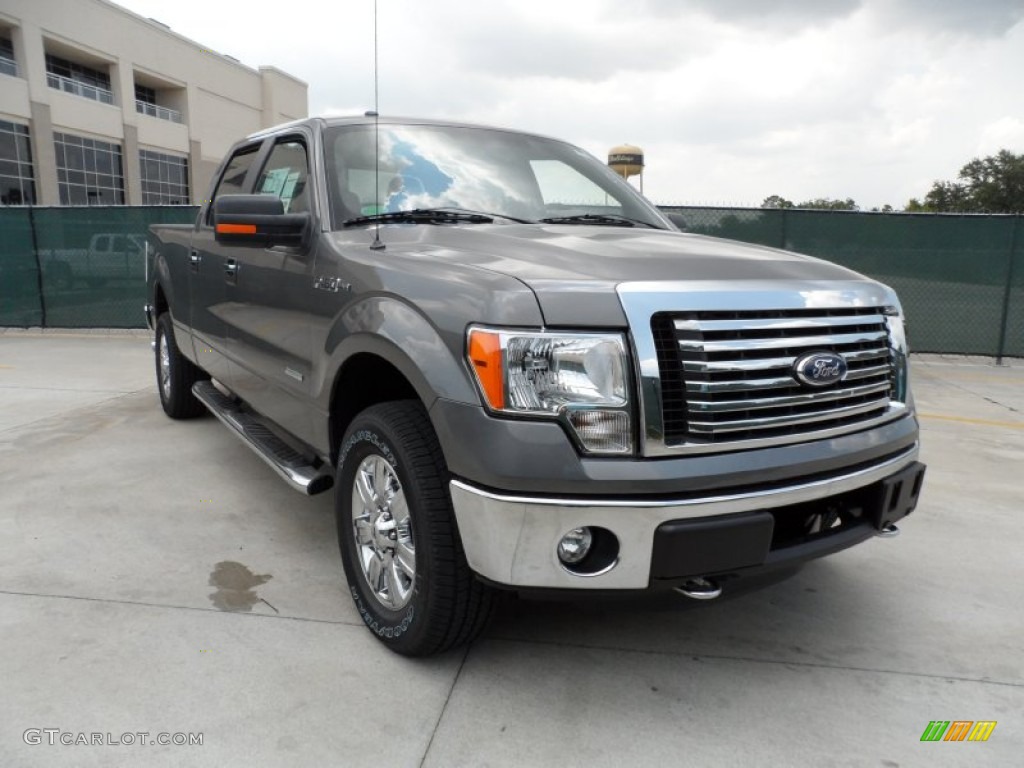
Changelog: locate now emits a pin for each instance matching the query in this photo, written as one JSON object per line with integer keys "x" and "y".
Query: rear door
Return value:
{"x": 209, "y": 276}
{"x": 268, "y": 318}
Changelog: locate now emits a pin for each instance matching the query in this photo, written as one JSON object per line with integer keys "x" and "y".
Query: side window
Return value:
{"x": 286, "y": 175}
{"x": 233, "y": 178}
{"x": 562, "y": 186}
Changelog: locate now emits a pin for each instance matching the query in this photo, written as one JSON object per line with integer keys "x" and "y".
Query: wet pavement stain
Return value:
{"x": 236, "y": 586}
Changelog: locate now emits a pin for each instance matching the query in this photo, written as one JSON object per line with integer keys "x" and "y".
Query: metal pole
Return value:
{"x": 1008, "y": 291}
{"x": 39, "y": 265}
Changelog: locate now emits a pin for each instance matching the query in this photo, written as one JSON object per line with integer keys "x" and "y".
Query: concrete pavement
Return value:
{"x": 157, "y": 577}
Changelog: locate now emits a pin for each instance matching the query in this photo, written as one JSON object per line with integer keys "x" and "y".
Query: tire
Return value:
{"x": 175, "y": 374}
{"x": 397, "y": 531}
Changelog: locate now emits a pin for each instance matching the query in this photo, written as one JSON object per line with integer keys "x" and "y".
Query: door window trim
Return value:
{"x": 257, "y": 148}
{"x": 268, "y": 150}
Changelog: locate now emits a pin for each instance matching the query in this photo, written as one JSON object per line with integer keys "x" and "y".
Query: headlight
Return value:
{"x": 578, "y": 378}
{"x": 899, "y": 350}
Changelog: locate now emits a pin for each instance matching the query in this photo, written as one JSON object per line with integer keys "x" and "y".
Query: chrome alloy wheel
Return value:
{"x": 164, "y": 361}
{"x": 383, "y": 532}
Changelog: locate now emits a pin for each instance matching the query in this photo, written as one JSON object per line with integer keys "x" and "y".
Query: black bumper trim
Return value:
{"x": 741, "y": 544}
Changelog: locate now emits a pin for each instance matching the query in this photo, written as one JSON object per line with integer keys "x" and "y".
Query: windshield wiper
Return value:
{"x": 422, "y": 216}
{"x": 483, "y": 213}
{"x": 604, "y": 219}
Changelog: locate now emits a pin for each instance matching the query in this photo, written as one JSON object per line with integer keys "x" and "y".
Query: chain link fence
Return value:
{"x": 960, "y": 277}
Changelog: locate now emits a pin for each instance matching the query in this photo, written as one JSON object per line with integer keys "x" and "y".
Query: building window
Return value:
{"x": 146, "y": 104}
{"x": 17, "y": 183}
{"x": 164, "y": 178}
{"x": 8, "y": 65}
{"x": 78, "y": 79}
{"x": 89, "y": 171}
{"x": 145, "y": 94}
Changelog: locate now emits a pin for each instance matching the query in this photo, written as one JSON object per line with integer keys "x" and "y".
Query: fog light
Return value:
{"x": 603, "y": 431}
{"x": 575, "y": 545}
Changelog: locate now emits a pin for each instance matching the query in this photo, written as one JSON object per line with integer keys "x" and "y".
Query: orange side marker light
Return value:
{"x": 485, "y": 355}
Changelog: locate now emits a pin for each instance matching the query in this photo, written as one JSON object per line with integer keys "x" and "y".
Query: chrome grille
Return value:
{"x": 727, "y": 376}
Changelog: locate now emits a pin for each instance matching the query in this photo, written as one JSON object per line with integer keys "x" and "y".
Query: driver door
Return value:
{"x": 208, "y": 278}
{"x": 267, "y": 319}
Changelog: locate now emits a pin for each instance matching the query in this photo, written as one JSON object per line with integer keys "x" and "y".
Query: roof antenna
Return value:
{"x": 377, "y": 244}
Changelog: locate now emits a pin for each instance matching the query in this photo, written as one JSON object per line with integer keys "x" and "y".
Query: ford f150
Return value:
{"x": 516, "y": 373}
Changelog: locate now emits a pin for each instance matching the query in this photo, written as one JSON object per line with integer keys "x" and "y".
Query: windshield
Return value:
{"x": 502, "y": 174}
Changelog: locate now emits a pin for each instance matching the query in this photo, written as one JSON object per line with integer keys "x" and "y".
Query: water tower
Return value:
{"x": 627, "y": 160}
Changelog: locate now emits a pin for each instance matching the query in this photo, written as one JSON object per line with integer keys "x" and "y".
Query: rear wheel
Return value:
{"x": 175, "y": 374}
{"x": 399, "y": 542}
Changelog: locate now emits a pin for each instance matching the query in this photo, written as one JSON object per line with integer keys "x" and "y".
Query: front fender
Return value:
{"x": 389, "y": 329}
{"x": 429, "y": 358}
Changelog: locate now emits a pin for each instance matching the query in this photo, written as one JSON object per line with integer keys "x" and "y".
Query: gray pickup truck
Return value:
{"x": 517, "y": 374}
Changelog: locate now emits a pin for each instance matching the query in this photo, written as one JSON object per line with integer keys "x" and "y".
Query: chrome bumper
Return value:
{"x": 512, "y": 540}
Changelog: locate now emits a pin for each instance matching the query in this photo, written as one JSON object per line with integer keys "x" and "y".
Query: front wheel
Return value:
{"x": 175, "y": 374}
{"x": 399, "y": 542}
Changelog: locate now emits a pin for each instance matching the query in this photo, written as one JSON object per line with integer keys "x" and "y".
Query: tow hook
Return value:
{"x": 700, "y": 589}
{"x": 889, "y": 531}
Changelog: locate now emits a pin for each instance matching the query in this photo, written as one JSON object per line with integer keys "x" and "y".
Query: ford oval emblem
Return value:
{"x": 820, "y": 369}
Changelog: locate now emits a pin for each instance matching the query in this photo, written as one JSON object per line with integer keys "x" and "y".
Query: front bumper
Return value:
{"x": 511, "y": 540}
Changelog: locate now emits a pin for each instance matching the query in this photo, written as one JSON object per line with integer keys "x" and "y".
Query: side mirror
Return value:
{"x": 678, "y": 219}
{"x": 257, "y": 220}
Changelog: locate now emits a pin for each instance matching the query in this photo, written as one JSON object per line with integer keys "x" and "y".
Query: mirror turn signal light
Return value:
{"x": 236, "y": 229}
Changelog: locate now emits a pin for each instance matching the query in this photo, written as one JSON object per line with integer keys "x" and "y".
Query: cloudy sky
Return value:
{"x": 731, "y": 100}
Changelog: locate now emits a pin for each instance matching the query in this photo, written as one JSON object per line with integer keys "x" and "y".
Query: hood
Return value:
{"x": 574, "y": 269}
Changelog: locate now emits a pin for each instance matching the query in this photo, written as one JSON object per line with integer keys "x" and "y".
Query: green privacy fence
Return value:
{"x": 77, "y": 267}
{"x": 960, "y": 277}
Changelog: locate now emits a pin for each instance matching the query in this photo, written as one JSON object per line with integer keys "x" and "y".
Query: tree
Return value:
{"x": 948, "y": 196}
{"x": 828, "y": 204}
{"x": 993, "y": 184}
{"x": 818, "y": 203}
{"x": 776, "y": 201}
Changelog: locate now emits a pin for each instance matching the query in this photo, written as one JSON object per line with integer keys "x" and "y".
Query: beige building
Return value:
{"x": 100, "y": 106}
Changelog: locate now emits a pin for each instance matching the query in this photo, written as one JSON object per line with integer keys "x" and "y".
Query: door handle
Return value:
{"x": 193, "y": 260}
{"x": 231, "y": 268}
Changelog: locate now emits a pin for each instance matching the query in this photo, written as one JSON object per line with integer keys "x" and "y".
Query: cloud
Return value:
{"x": 731, "y": 100}
{"x": 761, "y": 15}
{"x": 1005, "y": 133}
{"x": 577, "y": 49}
{"x": 980, "y": 18}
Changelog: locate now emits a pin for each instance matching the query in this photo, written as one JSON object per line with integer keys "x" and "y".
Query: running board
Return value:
{"x": 295, "y": 468}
